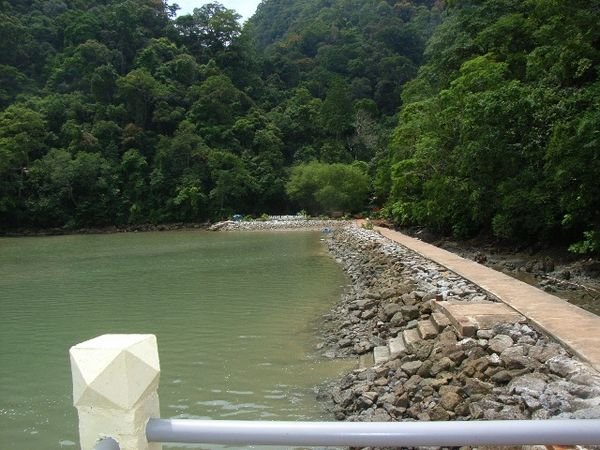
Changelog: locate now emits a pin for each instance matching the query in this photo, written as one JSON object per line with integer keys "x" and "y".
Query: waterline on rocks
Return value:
{"x": 505, "y": 371}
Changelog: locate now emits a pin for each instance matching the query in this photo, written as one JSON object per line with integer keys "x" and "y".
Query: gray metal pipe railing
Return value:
{"x": 371, "y": 434}
{"x": 107, "y": 444}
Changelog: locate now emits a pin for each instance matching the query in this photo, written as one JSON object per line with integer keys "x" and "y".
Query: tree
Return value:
{"x": 336, "y": 112}
{"x": 218, "y": 104}
{"x": 211, "y": 29}
{"x": 319, "y": 187}
{"x": 496, "y": 127}
{"x": 140, "y": 90}
{"x": 73, "y": 191}
{"x": 22, "y": 140}
{"x": 232, "y": 185}
{"x": 134, "y": 186}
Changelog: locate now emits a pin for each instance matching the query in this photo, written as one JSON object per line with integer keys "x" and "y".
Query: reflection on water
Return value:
{"x": 235, "y": 315}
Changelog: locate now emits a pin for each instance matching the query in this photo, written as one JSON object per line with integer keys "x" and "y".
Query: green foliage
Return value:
{"x": 368, "y": 225}
{"x": 210, "y": 30}
{"x": 498, "y": 132}
{"x": 482, "y": 117}
{"x": 590, "y": 243}
{"x": 327, "y": 188}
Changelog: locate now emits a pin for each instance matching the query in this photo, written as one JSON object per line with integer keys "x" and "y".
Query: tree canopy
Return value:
{"x": 120, "y": 112}
{"x": 471, "y": 116}
{"x": 499, "y": 131}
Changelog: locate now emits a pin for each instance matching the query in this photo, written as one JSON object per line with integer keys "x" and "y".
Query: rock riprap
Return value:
{"x": 418, "y": 361}
{"x": 282, "y": 223}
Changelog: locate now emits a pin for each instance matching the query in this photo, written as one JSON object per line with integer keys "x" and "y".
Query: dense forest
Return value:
{"x": 464, "y": 116}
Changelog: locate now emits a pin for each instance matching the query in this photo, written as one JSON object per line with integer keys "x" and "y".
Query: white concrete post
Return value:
{"x": 115, "y": 382}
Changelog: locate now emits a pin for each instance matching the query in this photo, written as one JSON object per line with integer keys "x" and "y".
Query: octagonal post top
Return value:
{"x": 114, "y": 371}
{"x": 117, "y": 341}
{"x": 115, "y": 382}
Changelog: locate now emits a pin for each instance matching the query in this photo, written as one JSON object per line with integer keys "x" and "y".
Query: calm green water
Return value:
{"x": 234, "y": 314}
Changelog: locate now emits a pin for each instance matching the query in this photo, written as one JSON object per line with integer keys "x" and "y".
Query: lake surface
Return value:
{"x": 235, "y": 315}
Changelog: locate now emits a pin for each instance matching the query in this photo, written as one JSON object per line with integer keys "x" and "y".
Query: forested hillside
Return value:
{"x": 465, "y": 116}
{"x": 117, "y": 112}
{"x": 500, "y": 131}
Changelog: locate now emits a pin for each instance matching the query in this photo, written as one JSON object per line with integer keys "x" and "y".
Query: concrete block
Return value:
{"x": 115, "y": 382}
{"x": 439, "y": 321}
{"x": 396, "y": 346}
{"x": 411, "y": 337}
{"x": 381, "y": 354}
{"x": 426, "y": 329}
{"x": 366, "y": 360}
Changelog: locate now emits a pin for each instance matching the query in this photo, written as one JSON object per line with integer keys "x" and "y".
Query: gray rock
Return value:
{"x": 509, "y": 412}
{"x": 494, "y": 359}
{"x": 503, "y": 376}
{"x": 388, "y": 293}
{"x": 561, "y": 365}
{"x": 361, "y": 304}
{"x": 374, "y": 295}
{"x": 584, "y": 378}
{"x": 380, "y": 415}
{"x": 439, "y": 414}
{"x": 367, "y": 399}
{"x": 434, "y": 383}
{"x": 344, "y": 398}
{"x": 401, "y": 401}
{"x": 532, "y": 385}
{"x": 410, "y": 312}
{"x": 411, "y": 367}
{"x": 476, "y": 386}
{"x": 485, "y": 334}
{"x": 412, "y": 384}
{"x": 449, "y": 400}
{"x": 443, "y": 364}
{"x": 390, "y": 310}
{"x": 500, "y": 343}
{"x": 345, "y": 343}
{"x": 475, "y": 411}
{"x": 508, "y": 329}
{"x": 422, "y": 349}
{"x": 588, "y": 413}
{"x": 397, "y": 319}
{"x": 369, "y": 314}
{"x": 425, "y": 369}
{"x": 448, "y": 388}
{"x": 581, "y": 391}
{"x": 543, "y": 353}
{"x": 408, "y": 299}
{"x": 514, "y": 358}
{"x": 531, "y": 403}
{"x": 528, "y": 340}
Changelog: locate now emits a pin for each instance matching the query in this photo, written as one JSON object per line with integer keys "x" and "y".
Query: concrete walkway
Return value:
{"x": 575, "y": 328}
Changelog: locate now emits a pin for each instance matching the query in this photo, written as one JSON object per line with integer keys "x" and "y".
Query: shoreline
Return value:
{"x": 112, "y": 229}
{"x": 510, "y": 371}
{"x": 507, "y": 372}
{"x": 274, "y": 223}
{"x": 280, "y": 223}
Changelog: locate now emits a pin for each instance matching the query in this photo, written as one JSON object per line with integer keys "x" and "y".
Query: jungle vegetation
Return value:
{"x": 464, "y": 116}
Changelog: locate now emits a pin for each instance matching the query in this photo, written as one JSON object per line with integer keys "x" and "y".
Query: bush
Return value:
{"x": 324, "y": 188}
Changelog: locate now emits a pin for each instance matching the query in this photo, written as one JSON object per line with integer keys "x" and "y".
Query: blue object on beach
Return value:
{"x": 237, "y": 217}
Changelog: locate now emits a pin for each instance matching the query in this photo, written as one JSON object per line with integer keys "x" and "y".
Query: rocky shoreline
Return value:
{"x": 273, "y": 223}
{"x": 279, "y": 223}
{"x": 510, "y": 371}
{"x": 139, "y": 228}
